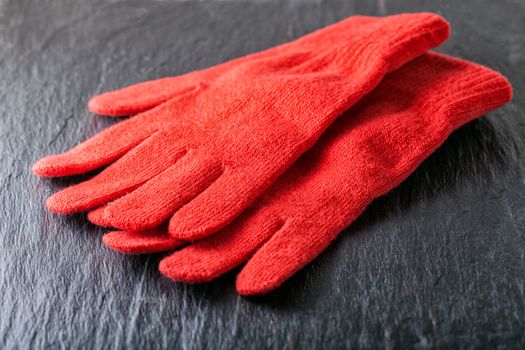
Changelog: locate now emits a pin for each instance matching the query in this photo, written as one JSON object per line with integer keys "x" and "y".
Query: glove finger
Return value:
{"x": 144, "y": 162}
{"x": 96, "y": 216}
{"x": 101, "y": 149}
{"x": 142, "y": 96}
{"x": 211, "y": 257}
{"x": 143, "y": 242}
{"x": 154, "y": 202}
{"x": 112, "y": 143}
{"x": 291, "y": 248}
{"x": 215, "y": 207}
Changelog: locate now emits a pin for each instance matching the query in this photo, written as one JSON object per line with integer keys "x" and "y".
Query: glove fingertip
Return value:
{"x": 170, "y": 268}
{"x": 57, "y": 204}
{"x": 111, "y": 240}
{"x": 69, "y": 201}
{"x": 248, "y": 285}
{"x": 98, "y": 218}
{"x": 40, "y": 168}
{"x": 101, "y": 104}
{"x": 145, "y": 242}
{"x": 181, "y": 270}
{"x": 47, "y": 167}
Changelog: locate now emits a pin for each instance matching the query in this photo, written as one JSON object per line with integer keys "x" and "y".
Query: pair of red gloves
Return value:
{"x": 268, "y": 157}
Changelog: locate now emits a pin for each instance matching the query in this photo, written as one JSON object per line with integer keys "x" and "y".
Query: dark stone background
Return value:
{"x": 437, "y": 263}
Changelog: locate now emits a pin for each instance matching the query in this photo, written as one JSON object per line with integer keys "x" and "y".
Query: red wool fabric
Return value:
{"x": 203, "y": 153}
{"x": 134, "y": 242}
{"x": 367, "y": 152}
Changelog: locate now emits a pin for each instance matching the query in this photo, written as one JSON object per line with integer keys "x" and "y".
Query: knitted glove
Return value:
{"x": 367, "y": 152}
{"x": 203, "y": 156}
{"x": 143, "y": 96}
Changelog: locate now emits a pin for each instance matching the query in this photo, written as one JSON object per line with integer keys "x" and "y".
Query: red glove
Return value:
{"x": 204, "y": 155}
{"x": 367, "y": 152}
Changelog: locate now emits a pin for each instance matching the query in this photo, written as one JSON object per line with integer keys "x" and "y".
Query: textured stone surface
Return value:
{"x": 437, "y": 263}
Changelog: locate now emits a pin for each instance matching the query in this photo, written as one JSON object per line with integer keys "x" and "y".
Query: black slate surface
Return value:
{"x": 437, "y": 263}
